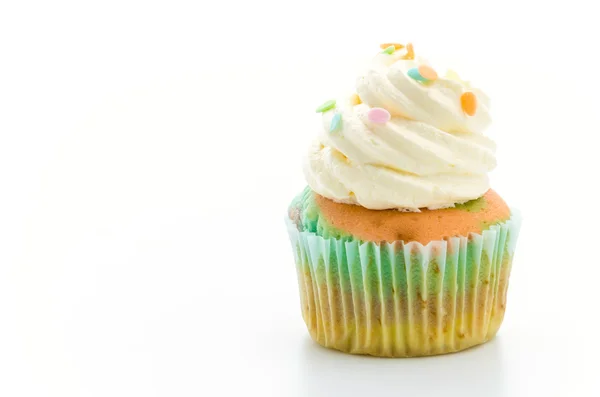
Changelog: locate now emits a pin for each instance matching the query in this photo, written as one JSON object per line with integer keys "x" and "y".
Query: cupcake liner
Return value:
{"x": 404, "y": 299}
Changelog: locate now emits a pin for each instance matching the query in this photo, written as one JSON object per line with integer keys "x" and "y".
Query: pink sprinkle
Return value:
{"x": 378, "y": 115}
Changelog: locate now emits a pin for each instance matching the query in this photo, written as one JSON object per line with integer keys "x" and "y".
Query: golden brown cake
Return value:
{"x": 425, "y": 226}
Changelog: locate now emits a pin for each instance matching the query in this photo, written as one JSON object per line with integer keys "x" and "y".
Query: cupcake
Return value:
{"x": 401, "y": 246}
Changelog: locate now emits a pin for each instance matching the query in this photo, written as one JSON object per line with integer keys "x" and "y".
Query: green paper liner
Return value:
{"x": 404, "y": 299}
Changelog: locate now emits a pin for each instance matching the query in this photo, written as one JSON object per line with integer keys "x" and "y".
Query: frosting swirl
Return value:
{"x": 430, "y": 154}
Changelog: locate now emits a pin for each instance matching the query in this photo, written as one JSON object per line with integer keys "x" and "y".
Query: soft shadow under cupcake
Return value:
{"x": 478, "y": 371}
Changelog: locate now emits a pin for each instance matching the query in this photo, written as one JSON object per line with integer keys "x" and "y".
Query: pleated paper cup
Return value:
{"x": 404, "y": 299}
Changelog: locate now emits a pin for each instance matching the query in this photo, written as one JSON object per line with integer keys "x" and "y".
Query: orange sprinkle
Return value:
{"x": 410, "y": 52}
{"x": 428, "y": 73}
{"x": 397, "y": 46}
{"x": 468, "y": 102}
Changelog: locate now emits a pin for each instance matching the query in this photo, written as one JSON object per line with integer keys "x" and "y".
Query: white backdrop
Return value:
{"x": 148, "y": 152}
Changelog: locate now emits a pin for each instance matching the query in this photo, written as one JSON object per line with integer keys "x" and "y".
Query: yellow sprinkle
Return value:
{"x": 410, "y": 52}
{"x": 452, "y": 75}
{"x": 397, "y": 46}
{"x": 355, "y": 99}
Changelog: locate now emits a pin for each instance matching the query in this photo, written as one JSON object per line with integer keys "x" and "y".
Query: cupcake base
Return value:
{"x": 404, "y": 299}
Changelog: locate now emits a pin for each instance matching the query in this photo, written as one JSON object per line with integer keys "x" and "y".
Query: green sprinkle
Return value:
{"x": 389, "y": 50}
{"x": 336, "y": 123}
{"x": 326, "y": 106}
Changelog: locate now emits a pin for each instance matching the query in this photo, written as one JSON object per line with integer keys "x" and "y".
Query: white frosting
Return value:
{"x": 430, "y": 154}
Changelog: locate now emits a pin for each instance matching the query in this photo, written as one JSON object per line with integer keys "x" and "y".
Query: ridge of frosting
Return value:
{"x": 429, "y": 152}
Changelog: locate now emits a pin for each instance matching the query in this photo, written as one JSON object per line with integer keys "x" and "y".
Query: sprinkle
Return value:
{"x": 415, "y": 75}
{"x": 336, "y": 123}
{"x": 410, "y": 52}
{"x": 378, "y": 115}
{"x": 397, "y": 46}
{"x": 389, "y": 50}
{"x": 423, "y": 74}
{"x": 355, "y": 99}
{"x": 452, "y": 75}
{"x": 428, "y": 73}
{"x": 326, "y": 106}
{"x": 468, "y": 102}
